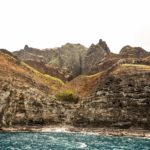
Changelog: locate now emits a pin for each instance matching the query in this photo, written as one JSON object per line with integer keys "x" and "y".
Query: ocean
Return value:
{"x": 69, "y": 141}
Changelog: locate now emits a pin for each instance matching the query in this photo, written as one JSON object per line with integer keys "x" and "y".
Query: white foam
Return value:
{"x": 58, "y": 129}
{"x": 82, "y": 145}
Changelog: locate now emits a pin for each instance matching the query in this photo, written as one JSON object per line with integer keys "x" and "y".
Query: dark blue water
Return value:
{"x": 69, "y": 141}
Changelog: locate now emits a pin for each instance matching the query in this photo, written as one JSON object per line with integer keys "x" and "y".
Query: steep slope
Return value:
{"x": 66, "y": 59}
{"x": 48, "y": 69}
{"x": 120, "y": 99}
{"x": 26, "y": 95}
{"x": 132, "y": 54}
{"x": 82, "y": 85}
{"x": 69, "y": 57}
{"x": 34, "y": 54}
{"x": 94, "y": 56}
{"x": 117, "y": 94}
{"x": 70, "y": 60}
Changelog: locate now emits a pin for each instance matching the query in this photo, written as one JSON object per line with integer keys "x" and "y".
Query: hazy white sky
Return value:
{"x": 51, "y": 23}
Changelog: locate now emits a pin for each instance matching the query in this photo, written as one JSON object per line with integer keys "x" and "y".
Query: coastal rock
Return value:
{"x": 27, "y": 96}
{"x": 116, "y": 95}
{"x": 30, "y": 106}
{"x": 121, "y": 99}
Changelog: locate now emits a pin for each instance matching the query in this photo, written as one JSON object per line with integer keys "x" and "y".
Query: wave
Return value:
{"x": 82, "y": 145}
{"x": 56, "y": 129}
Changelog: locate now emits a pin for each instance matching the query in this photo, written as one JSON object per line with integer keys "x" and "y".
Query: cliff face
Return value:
{"x": 120, "y": 99}
{"x": 27, "y": 96}
{"x": 118, "y": 95}
{"x": 48, "y": 69}
{"x": 70, "y": 60}
{"x": 69, "y": 57}
{"x": 94, "y": 56}
{"x": 66, "y": 60}
{"x": 132, "y": 54}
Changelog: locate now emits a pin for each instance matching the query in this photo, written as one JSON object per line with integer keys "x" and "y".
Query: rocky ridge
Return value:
{"x": 70, "y": 60}
{"x": 67, "y": 59}
{"x": 116, "y": 95}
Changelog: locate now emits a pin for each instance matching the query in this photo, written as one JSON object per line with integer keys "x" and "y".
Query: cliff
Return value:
{"x": 27, "y": 97}
{"x": 120, "y": 99}
{"x": 66, "y": 62}
{"x": 95, "y": 55}
{"x": 102, "y": 89}
{"x": 63, "y": 62}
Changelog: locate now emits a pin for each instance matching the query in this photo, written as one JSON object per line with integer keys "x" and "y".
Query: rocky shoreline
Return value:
{"x": 88, "y": 130}
{"x": 115, "y": 89}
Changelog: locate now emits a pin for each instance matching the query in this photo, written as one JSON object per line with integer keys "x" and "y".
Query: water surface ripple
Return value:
{"x": 69, "y": 141}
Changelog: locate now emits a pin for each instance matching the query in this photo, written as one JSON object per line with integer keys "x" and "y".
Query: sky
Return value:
{"x": 52, "y": 23}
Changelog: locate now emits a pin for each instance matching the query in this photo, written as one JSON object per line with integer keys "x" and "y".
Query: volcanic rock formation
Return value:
{"x": 106, "y": 89}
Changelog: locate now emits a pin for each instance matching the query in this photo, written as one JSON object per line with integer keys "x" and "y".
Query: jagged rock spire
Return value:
{"x": 104, "y": 45}
{"x": 26, "y": 47}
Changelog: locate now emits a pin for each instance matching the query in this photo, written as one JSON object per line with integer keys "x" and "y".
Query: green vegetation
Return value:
{"x": 53, "y": 78}
{"x": 45, "y": 76}
{"x": 67, "y": 96}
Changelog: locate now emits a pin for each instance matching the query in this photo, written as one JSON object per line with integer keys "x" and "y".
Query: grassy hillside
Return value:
{"x": 20, "y": 70}
{"x": 82, "y": 84}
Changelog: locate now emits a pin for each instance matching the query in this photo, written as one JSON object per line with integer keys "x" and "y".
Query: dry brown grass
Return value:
{"x": 11, "y": 66}
{"x": 130, "y": 69}
{"x": 82, "y": 84}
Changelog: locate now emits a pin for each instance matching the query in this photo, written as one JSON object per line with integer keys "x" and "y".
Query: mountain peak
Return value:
{"x": 26, "y": 47}
{"x": 103, "y": 44}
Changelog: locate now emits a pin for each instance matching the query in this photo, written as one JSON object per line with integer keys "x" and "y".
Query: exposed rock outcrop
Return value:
{"x": 118, "y": 95}
{"x": 70, "y": 60}
{"x": 27, "y": 105}
{"x": 94, "y": 56}
{"x": 48, "y": 69}
{"x": 133, "y": 52}
{"x": 67, "y": 59}
{"x": 27, "y": 97}
{"x": 104, "y": 45}
{"x": 120, "y": 99}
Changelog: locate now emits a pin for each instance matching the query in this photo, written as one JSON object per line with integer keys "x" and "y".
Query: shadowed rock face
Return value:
{"x": 67, "y": 59}
{"x": 104, "y": 45}
{"x": 48, "y": 69}
{"x": 70, "y": 60}
{"x": 95, "y": 55}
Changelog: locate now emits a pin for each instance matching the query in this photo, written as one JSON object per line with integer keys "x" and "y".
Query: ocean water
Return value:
{"x": 69, "y": 141}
